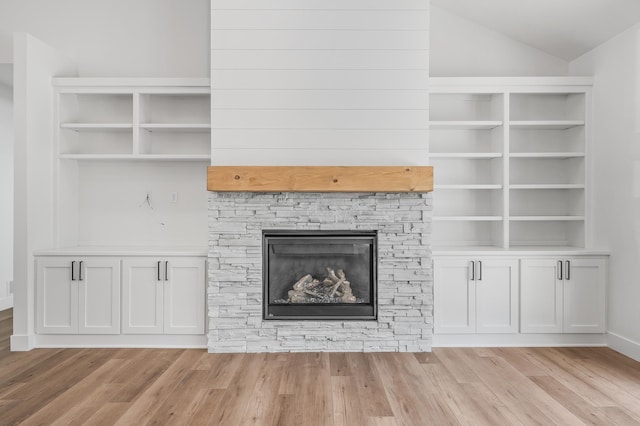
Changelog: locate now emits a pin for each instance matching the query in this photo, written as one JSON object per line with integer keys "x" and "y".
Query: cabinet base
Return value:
{"x": 517, "y": 340}
{"x": 187, "y": 341}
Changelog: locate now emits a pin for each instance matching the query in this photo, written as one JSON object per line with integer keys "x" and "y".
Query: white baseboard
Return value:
{"x": 186, "y": 341}
{"x": 517, "y": 340}
{"x": 22, "y": 342}
{"x": 624, "y": 346}
{"x": 6, "y": 302}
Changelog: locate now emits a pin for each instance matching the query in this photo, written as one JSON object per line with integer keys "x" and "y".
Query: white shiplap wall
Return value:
{"x": 319, "y": 82}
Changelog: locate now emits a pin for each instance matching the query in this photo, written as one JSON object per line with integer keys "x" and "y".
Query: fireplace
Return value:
{"x": 319, "y": 275}
{"x": 403, "y": 294}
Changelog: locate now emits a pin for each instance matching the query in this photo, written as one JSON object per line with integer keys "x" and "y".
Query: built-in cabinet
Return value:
{"x": 130, "y": 213}
{"x": 163, "y": 295}
{"x": 563, "y": 295}
{"x": 78, "y": 295}
{"x": 531, "y": 294}
{"x": 511, "y": 229}
{"x": 96, "y": 294}
{"x": 475, "y": 295}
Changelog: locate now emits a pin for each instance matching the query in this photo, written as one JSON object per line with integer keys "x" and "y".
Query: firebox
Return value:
{"x": 329, "y": 275}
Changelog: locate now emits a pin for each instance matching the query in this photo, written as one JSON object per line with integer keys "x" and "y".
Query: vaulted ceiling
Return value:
{"x": 563, "y": 28}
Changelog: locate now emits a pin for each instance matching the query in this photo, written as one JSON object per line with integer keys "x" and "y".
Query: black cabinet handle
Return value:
{"x": 80, "y": 271}
{"x": 568, "y": 270}
{"x": 479, "y": 270}
{"x": 166, "y": 270}
{"x": 73, "y": 267}
{"x": 159, "y": 262}
{"x": 560, "y": 270}
{"x": 473, "y": 270}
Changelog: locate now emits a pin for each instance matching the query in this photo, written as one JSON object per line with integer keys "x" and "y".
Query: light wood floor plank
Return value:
{"x": 145, "y": 407}
{"x": 479, "y": 386}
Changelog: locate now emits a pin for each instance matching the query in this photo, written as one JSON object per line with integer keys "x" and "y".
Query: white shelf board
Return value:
{"x": 465, "y": 155}
{"x": 103, "y": 127}
{"x": 471, "y": 186}
{"x": 547, "y": 186}
{"x": 467, "y": 218}
{"x": 559, "y": 155}
{"x": 545, "y": 124}
{"x": 136, "y": 157}
{"x": 177, "y": 127}
{"x": 546, "y": 218}
{"x": 465, "y": 124}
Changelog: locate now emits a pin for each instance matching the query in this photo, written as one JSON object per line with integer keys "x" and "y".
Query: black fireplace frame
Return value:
{"x": 316, "y": 311}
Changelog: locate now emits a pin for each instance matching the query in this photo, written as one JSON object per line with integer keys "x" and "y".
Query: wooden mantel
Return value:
{"x": 320, "y": 178}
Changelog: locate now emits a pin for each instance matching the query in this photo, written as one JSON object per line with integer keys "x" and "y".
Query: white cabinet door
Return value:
{"x": 163, "y": 296}
{"x": 496, "y": 296}
{"x": 78, "y": 295}
{"x": 475, "y": 295}
{"x": 142, "y": 296}
{"x": 584, "y": 295}
{"x": 541, "y": 296}
{"x": 454, "y": 296}
{"x": 184, "y": 296}
{"x": 99, "y": 296}
{"x": 56, "y": 296}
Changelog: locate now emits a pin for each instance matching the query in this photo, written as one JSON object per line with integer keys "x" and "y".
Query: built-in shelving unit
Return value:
{"x": 131, "y": 156}
{"x": 138, "y": 119}
{"x": 511, "y": 161}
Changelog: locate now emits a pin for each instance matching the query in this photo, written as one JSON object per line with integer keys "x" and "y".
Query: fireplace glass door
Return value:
{"x": 319, "y": 275}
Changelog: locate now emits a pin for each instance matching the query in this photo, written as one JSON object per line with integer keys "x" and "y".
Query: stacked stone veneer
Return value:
{"x": 405, "y": 278}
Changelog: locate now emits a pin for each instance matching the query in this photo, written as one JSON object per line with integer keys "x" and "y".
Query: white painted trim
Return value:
{"x": 519, "y": 252}
{"x": 623, "y": 345}
{"x": 137, "y": 82}
{"x": 121, "y": 341}
{"x": 23, "y": 342}
{"x": 518, "y": 340}
{"x": 6, "y": 302}
{"x": 436, "y": 82}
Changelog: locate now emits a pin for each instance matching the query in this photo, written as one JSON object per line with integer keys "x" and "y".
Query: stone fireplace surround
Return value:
{"x": 405, "y": 278}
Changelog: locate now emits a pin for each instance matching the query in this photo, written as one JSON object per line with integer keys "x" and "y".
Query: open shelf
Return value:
{"x": 545, "y": 218}
{"x": 467, "y": 155}
{"x": 465, "y": 124}
{"x": 546, "y": 124}
{"x": 92, "y": 127}
{"x": 176, "y": 127}
{"x": 547, "y": 186}
{"x": 558, "y": 155}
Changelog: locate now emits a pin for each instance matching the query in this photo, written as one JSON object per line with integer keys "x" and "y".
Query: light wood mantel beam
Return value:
{"x": 320, "y": 178}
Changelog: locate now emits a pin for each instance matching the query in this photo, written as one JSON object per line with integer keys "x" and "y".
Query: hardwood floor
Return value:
{"x": 492, "y": 386}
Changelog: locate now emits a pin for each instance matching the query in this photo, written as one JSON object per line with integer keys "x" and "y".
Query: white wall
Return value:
{"x": 113, "y": 209}
{"x": 35, "y": 63}
{"x": 616, "y": 180}
{"x": 319, "y": 82}
{"x": 462, "y": 48}
{"x": 139, "y": 38}
{"x": 6, "y": 193}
